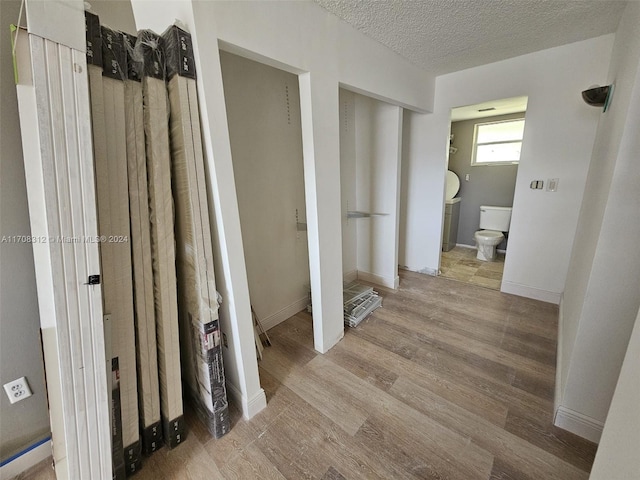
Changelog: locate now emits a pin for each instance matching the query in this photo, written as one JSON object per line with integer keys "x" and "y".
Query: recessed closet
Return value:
{"x": 370, "y": 148}
{"x": 263, "y": 111}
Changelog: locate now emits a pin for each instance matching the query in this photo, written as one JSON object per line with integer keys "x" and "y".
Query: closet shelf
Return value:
{"x": 358, "y": 214}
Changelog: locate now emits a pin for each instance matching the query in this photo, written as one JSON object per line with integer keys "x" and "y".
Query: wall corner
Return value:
{"x": 579, "y": 424}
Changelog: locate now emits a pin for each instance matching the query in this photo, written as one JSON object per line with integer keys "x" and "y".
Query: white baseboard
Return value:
{"x": 250, "y": 406}
{"x": 351, "y": 276}
{"x": 388, "y": 282}
{"x": 559, "y": 388}
{"x": 582, "y": 425}
{"x": 255, "y": 404}
{"x": 25, "y": 460}
{"x": 530, "y": 292}
{"x": 287, "y": 312}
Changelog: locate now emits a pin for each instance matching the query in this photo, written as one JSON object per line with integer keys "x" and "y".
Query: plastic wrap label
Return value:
{"x": 114, "y": 60}
{"x": 94, "y": 39}
{"x": 119, "y": 471}
{"x": 210, "y": 340}
{"x": 179, "y": 53}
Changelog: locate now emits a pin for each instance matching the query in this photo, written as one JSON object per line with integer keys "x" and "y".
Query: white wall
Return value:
{"x": 558, "y": 140}
{"x": 23, "y": 423}
{"x": 601, "y": 297}
{"x": 303, "y": 38}
{"x": 263, "y": 110}
{"x": 617, "y": 457}
{"x": 115, "y": 14}
{"x": 424, "y": 149}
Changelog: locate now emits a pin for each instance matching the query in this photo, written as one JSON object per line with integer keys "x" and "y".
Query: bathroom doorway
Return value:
{"x": 484, "y": 151}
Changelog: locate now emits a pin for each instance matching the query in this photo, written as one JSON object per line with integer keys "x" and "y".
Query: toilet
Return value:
{"x": 493, "y": 222}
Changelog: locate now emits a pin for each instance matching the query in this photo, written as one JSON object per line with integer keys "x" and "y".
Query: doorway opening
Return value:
{"x": 263, "y": 112}
{"x": 484, "y": 151}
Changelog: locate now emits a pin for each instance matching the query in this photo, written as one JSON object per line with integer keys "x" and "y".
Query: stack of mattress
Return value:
{"x": 117, "y": 240}
{"x": 359, "y": 301}
{"x": 94, "y": 67}
{"x": 158, "y": 155}
{"x": 199, "y": 324}
{"x": 146, "y": 345}
{"x": 159, "y": 291}
{"x": 106, "y": 83}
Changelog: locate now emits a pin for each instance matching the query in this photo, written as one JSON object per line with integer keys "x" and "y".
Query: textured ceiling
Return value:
{"x": 443, "y": 36}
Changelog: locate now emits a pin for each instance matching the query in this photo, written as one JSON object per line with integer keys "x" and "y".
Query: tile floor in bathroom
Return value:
{"x": 461, "y": 264}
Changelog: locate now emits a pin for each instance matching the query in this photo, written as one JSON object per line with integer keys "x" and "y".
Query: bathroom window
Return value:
{"x": 497, "y": 143}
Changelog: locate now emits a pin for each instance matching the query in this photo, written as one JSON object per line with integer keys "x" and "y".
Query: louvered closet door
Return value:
{"x": 55, "y": 123}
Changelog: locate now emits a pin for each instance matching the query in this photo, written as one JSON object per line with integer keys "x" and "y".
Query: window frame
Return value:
{"x": 475, "y": 144}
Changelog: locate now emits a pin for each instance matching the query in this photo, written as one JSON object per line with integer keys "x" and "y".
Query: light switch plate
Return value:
{"x": 552, "y": 184}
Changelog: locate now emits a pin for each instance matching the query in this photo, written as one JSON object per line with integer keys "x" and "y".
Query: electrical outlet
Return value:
{"x": 17, "y": 390}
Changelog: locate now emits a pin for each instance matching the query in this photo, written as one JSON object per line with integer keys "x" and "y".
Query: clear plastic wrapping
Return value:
{"x": 146, "y": 345}
{"x": 135, "y": 63}
{"x": 174, "y": 326}
{"x": 156, "y": 113}
{"x": 148, "y": 53}
{"x": 107, "y": 97}
{"x": 200, "y": 329}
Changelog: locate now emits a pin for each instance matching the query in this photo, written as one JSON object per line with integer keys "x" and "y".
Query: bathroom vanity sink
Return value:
{"x": 451, "y": 217}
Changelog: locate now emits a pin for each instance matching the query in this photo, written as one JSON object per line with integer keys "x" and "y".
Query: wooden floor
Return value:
{"x": 446, "y": 381}
{"x": 461, "y": 264}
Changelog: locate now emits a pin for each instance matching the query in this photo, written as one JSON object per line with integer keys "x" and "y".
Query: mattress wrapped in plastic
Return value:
{"x": 146, "y": 345}
{"x": 106, "y": 82}
{"x": 202, "y": 361}
{"x": 158, "y": 155}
